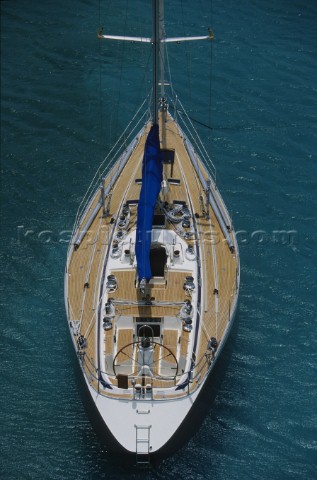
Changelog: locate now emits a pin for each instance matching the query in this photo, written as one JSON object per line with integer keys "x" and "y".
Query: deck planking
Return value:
{"x": 218, "y": 264}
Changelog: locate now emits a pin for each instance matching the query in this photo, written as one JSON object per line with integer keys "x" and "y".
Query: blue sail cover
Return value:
{"x": 152, "y": 175}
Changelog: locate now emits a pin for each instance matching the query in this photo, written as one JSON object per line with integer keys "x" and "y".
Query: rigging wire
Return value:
{"x": 239, "y": 128}
{"x": 115, "y": 109}
{"x": 210, "y": 79}
{"x": 123, "y": 49}
{"x": 144, "y": 82}
{"x": 175, "y": 101}
{"x": 144, "y": 67}
{"x": 91, "y": 188}
{"x": 188, "y": 55}
{"x": 100, "y": 86}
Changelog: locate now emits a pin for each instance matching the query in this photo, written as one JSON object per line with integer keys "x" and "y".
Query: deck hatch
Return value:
{"x": 158, "y": 259}
{"x": 158, "y": 220}
{"x": 156, "y": 328}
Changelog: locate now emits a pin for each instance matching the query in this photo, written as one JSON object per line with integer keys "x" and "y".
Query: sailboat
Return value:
{"x": 152, "y": 274}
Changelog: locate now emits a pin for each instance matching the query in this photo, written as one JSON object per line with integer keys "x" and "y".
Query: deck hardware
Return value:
{"x": 186, "y": 310}
{"x": 109, "y": 308}
{"x": 189, "y": 285}
{"x": 122, "y": 221}
{"x": 142, "y": 285}
{"x": 138, "y": 388}
{"x": 202, "y": 206}
{"x": 82, "y": 342}
{"x": 116, "y": 250}
{"x": 187, "y": 325}
{"x": 185, "y": 223}
{"x": 142, "y": 437}
{"x": 125, "y": 209}
{"x": 120, "y": 235}
{"x": 176, "y": 253}
{"x": 111, "y": 284}
{"x": 207, "y": 191}
{"x": 105, "y": 199}
{"x": 107, "y": 323}
{"x": 213, "y": 345}
{"x": 190, "y": 253}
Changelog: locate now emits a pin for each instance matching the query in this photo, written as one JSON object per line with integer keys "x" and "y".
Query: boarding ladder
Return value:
{"x": 142, "y": 448}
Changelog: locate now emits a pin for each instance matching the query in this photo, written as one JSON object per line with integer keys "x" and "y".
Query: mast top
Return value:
{"x": 158, "y": 38}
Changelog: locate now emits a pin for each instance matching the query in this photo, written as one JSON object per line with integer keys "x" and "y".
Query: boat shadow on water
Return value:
{"x": 111, "y": 450}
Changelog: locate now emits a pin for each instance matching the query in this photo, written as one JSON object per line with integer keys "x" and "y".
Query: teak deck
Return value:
{"x": 219, "y": 266}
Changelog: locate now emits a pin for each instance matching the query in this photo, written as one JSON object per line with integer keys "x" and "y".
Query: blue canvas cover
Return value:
{"x": 152, "y": 175}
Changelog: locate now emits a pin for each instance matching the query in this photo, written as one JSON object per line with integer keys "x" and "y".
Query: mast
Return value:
{"x": 163, "y": 103}
{"x": 161, "y": 51}
{"x": 156, "y": 50}
{"x": 157, "y": 40}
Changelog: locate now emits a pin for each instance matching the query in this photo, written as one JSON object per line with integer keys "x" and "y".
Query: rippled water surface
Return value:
{"x": 63, "y": 103}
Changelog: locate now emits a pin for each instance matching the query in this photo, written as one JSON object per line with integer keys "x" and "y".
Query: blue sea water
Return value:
{"x": 64, "y": 101}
